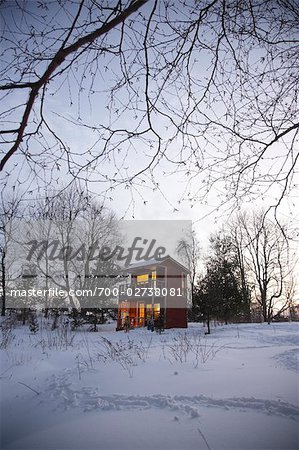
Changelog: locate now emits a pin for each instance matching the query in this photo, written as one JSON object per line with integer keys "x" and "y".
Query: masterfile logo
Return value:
{"x": 82, "y": 257}
{"x": 140, "y": 250}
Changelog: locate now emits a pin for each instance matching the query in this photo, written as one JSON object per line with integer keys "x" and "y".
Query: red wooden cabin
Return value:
{"x": 157, "y": 290}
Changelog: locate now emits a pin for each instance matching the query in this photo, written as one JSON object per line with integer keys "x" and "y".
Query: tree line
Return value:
{"x": 30, "y": 261}
{"x": 248, "y": 273}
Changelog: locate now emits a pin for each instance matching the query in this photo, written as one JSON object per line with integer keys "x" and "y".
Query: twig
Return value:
{"x": 10, "y": 367}
{"x": 24, "y": 384}
{"x": 202, "y": 435}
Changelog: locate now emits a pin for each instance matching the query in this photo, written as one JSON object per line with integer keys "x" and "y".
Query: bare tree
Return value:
{"x": 268, "y": 261}
{"x": 210, "y": 88}
{"x": 10, "y": 209}
{"x": 291, "y": 291}
{"x": 237, "y": 240}
{"x": 189, "y": 250}
{"x": 67, "y": 232}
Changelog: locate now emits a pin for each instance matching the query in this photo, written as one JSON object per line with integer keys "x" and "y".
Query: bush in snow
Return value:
{"x": 61, "y": 338}
{"x": 125, "y": 353}
{"x": 184, "y": 345}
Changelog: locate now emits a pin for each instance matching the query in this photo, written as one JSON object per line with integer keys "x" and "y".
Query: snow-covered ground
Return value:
{"x": 235, "y": 389}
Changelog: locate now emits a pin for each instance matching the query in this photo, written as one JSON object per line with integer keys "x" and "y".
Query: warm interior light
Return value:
{"x": 142, "y": 278}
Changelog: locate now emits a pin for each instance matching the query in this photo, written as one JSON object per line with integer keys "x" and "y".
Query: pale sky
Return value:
{"x": 141, "y": 202}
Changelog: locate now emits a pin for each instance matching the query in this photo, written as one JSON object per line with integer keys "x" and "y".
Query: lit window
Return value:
{"x": 156, "y": 310}
{"x": 141, "y": 310}
{"x": 142, "y": 278}
{"x": 148, "y": 311}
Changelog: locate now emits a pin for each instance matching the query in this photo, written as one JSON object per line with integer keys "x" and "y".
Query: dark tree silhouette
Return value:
{"x": 220, "y": 293}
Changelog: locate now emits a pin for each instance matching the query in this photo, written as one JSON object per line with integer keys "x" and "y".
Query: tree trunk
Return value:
{"x": 208, "y": 324}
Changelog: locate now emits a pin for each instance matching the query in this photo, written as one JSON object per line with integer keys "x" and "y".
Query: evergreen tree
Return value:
{"x": 220, "y": 293}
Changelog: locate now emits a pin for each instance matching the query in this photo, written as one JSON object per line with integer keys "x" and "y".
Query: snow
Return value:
{"x": 234, "y": 389}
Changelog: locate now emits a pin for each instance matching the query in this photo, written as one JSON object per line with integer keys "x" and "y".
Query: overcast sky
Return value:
{"x": 175, "y": 196}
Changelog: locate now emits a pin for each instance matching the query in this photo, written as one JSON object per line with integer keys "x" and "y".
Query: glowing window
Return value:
{"x": 142, "y": 278}
{"x": 141, "y": 310}
{"x": 148, "y": 311}
{"x": 156, "y": 310}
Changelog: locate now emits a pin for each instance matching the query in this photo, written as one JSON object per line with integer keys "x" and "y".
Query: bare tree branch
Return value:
{"x": 57, "y": 61}
{"x": 207, "y": 92}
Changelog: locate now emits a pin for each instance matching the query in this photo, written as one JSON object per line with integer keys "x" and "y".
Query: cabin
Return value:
{"x": 156, "y": 290}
